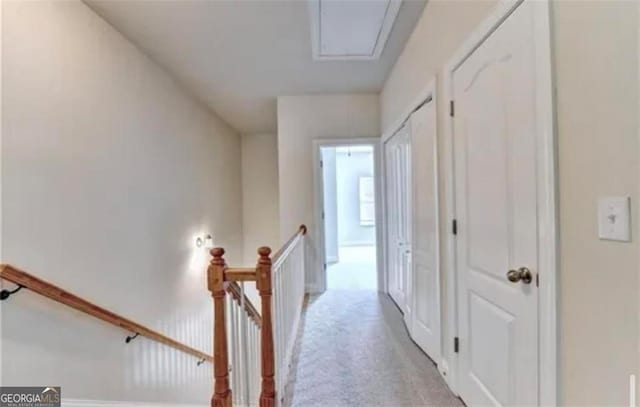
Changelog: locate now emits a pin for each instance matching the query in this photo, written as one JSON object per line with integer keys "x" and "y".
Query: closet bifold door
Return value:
{"x": 424, "y": 285}
{"x": 397, "y": 190}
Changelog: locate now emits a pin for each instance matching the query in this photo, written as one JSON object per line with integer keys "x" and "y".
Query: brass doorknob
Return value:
{"x": 522, "y": 274}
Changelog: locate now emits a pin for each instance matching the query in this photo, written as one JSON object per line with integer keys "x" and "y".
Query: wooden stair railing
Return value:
{"x": 234, "y": 290}
{"x": 222, "y": 280}
{"x": 57, "y": 294}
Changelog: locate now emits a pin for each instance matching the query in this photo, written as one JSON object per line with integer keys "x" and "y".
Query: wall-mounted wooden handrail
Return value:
{"x": 64, "y": 297}
{"x": 236, "y": 293}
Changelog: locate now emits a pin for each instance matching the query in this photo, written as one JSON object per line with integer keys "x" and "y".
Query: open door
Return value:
{"x": 347, "y": 180}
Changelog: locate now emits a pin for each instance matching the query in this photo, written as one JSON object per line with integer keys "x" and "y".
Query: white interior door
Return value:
{"x": 424, "y": 290}
{"x": 330, "y": 204}
{"x": 495, "y": 176}
{"x": 391, "y": 198}
{"x": 397, "y": 154}
{"x": 406, "y": 249}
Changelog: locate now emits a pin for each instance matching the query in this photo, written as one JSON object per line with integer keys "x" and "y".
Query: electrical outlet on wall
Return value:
{"x": 614, "y": 219}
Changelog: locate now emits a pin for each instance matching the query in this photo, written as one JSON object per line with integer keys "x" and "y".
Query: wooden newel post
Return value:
{"x": 263, "y": 283}
{"x": 215, "y": 278}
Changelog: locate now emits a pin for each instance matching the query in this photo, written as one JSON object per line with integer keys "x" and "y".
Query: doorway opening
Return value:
{"x": 349, "y": 216}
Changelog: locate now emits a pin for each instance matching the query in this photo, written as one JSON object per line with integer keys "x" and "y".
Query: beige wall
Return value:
{"x": 440, "y": 31}
{"x": 109, "y": 172}
{"x": 596, "y": 69}
{"x": 301, "y": 119}
{"x": 260, "y": 194}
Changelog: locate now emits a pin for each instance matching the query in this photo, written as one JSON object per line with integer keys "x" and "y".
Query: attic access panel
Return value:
{"x": 351, "y": 29}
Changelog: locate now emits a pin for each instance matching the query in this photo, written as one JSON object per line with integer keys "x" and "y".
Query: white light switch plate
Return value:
{"x": 614, "y": 221}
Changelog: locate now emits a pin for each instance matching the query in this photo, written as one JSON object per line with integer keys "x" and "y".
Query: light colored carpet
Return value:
{"x": 356, "y": 269}
{"x": 353, "y": 350}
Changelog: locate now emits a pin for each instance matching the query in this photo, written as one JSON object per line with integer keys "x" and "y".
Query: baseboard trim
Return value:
{"x": 100, "y": 403}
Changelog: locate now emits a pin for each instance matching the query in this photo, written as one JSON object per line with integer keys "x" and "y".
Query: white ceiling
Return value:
{"x": 238, "y": 56}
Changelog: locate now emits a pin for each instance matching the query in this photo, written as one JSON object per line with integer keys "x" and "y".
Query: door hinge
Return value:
{"x": 325, "y": 266}
{"x": 451, "y": 108}
{"x": 537, "y": 280}
{"x": 321, "y": 163}
{"x": 322, "y": 215}
{"x": 454, "y": 226}
{"x": 456, "y": 345}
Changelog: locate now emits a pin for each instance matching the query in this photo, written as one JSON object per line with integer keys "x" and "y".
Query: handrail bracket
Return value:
{"x": 131, "y": 337}
{"x": 5, "y": 294}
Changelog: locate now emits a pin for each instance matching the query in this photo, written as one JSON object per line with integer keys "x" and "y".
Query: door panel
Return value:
{"x": 425, "y": 295}
{"x": 406, "y": 235}
{"x": 330, "y": 204}
{"x": 495, "y": 177}
{"x": 491, "y": 370}
{"x": 391, "y": 218}
{"x": 398, "y": 215}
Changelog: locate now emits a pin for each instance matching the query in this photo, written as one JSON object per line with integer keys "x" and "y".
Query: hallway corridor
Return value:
{"x": 356, "y": 269}
{"x": 353, "y": 350}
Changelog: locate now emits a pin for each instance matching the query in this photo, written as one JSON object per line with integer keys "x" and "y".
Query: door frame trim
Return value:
{"x": 547, "y": 184}
{"x": 318, "y": 203}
